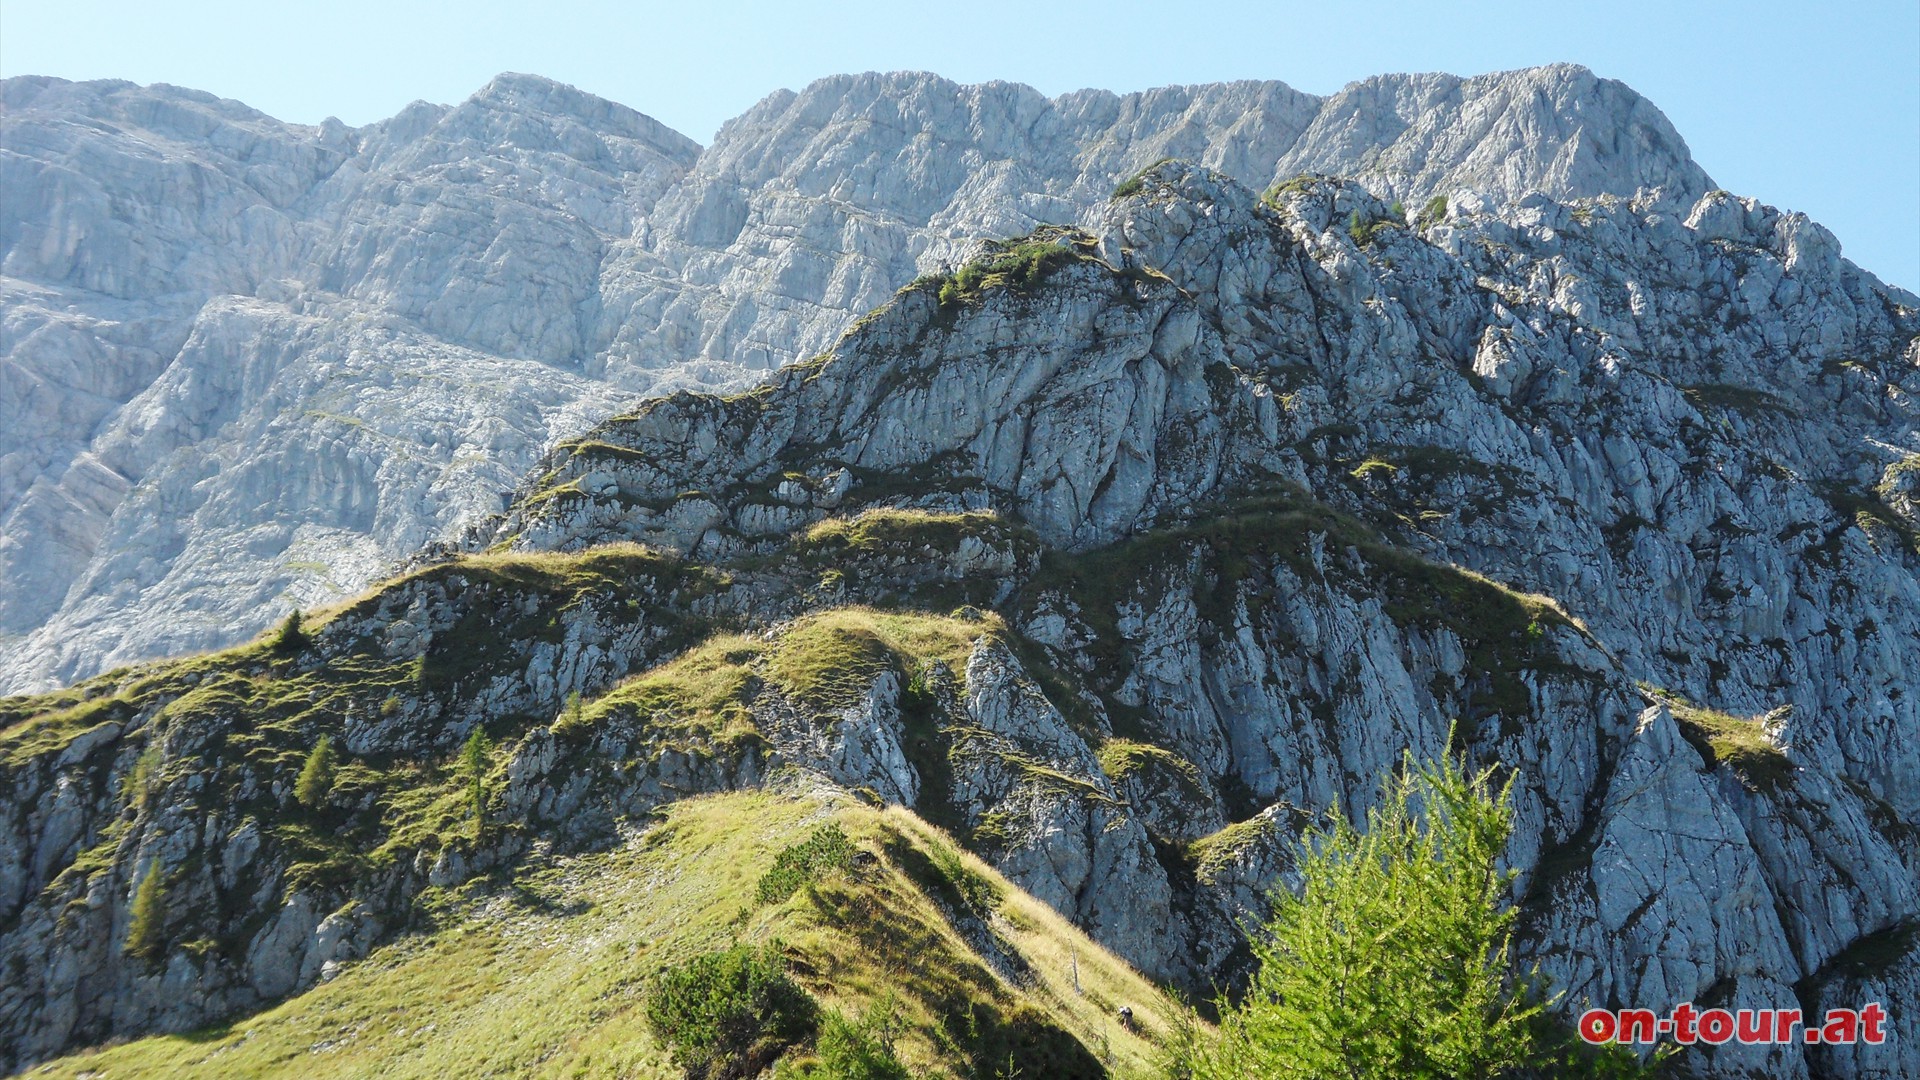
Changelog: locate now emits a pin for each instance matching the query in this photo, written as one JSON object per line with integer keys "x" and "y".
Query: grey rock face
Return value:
{"x": 254, "y": 363}
{"x": 1679, "y": 445}
{"x": 1679, "y": 414}
{"x": 1258, "y": 447}
{"x": 197, "y": 296}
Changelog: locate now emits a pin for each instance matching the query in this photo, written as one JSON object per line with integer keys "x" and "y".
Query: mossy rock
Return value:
{"x": 1739, "y": 743}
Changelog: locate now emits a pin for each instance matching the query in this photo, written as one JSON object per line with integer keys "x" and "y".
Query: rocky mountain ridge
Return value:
{"x": 1120, "y": 552}
{"x": 1598, "y": 403}
{"x": 253, "y": 364}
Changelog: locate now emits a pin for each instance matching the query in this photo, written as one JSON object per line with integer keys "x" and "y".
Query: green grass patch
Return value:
{"x": 703, "y": 693}
{"x": 48, "y": 724}
{"x": 1020, "y": 264}
{"x": 823, "y": 663}
{"x": 1166, "y": 772}
{"x": 553, "y": 969}
{"x": 1297, "y": 185}
{"x": 1212, "y": 854}
{"x": 888, "y": 528}
{"x": 1737, "y": 742}
{"x": 827, "y": 661}
{"x": 1121, "y": 758}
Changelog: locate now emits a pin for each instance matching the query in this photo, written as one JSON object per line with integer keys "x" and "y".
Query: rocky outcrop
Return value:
{"x": 1207, "y": 359}
{"x": 257, "y": 362}
{"x": 1122, "y": 552}
{"x": 198, "y": 296}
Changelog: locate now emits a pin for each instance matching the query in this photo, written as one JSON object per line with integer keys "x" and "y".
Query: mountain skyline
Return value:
{"x": 479, "y": 574}
{"x": 1119, "y": 553}
{"x": 271, "y": 361}
{"x": 1826, "y": 132}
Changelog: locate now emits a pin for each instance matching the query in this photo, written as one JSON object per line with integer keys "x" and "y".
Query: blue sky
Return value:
{"x": 1812, "y": 107}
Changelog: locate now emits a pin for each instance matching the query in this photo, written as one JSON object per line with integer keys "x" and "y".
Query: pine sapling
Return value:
{"x": 316, "y": 776}
{"x": 140, "y": 780}
{"x": 289, "y": 637}
{"x": 1394, "y": 957}
{"x": 473, "y": 763}
{"x": 148, "y": 914}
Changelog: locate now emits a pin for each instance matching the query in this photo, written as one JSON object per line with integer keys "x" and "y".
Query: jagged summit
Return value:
{"x": 1558, "y": 129}
{"x": 1605, "y": 138}
{"x": 513, "y": 267}
{"x": 538, "y": 95}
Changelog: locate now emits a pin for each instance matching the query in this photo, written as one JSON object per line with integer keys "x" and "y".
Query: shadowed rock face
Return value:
{"x": 251, "y": 363}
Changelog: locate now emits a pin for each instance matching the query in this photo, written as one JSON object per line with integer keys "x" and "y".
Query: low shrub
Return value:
{"x": 1365, "y": 231}
{"x": 973, "y": 889}
{"x": 1135, "y": 184}
{"x": 1021, "y": 266}
{"x": 727, "y": 1015}
{"x": 824, "y": 852}
{"x": 858, "y": 1048}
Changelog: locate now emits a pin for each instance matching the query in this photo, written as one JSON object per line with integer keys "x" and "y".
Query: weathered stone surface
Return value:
{"x": 251, "y": 365}
{"x": 1291, "y": 427}
{"x": 1714, "y": 510}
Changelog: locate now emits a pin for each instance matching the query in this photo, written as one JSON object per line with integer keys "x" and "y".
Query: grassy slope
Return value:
{"x": 519, "y": 988}
{"x": 546, "y": 975}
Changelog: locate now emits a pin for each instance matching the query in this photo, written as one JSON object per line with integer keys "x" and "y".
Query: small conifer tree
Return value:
{"x": 862, "y": 1049}
{"x": 316, "y": 776}
{"x": 289, "y": 637}
{"x": 146, "y": 919}
{"x": 1393, "y": 958}
{"x": 139, "y": 782}
{"x": 473, "y": 764}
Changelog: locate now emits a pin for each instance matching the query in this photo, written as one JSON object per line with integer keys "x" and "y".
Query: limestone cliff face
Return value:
{"x": 1133, "y": 546}
{"x": 1123, "y": 552}
{"x": 253, "y": 361}
{"x": 1692, "y": 426}
{"x": 394, "y": 321}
